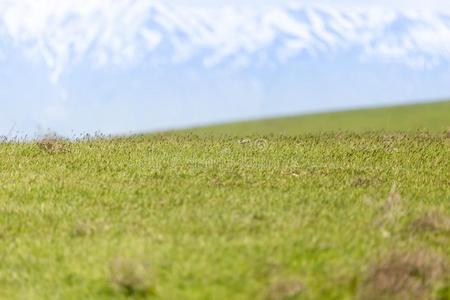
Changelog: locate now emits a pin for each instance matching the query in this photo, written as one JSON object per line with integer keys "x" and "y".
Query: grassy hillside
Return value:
{"x": 325, "y": 216}
{"x": 431, "y": 117}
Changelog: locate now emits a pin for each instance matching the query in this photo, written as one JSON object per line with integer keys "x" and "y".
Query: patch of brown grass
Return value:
{"x": 161, "y": 137}
{"x": 82, "y": 229}
{"x": 404, "y": 275}
{"x": 434, "y": 221}
{"x": 364, "y": 181}
{"x": 52, "y": 144}
{"x": 132, "y": 277}
{"x": 285, "y": 289}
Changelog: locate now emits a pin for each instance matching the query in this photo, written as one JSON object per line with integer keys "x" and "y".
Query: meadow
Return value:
{"x": 343, "y": 213}
{"x": 432, "y": 117}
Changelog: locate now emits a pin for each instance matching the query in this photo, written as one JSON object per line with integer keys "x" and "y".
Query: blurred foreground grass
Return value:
{"x": 319, "y": 216}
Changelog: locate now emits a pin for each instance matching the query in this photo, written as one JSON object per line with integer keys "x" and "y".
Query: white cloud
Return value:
{"x": 439, "y": 5}
{"x": 123, "y": 32}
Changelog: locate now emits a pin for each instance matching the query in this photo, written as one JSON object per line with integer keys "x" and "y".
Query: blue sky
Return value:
{"x": 119, "y": 66}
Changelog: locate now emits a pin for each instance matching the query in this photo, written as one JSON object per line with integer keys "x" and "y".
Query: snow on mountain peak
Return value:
{"x": 63, "y": 33}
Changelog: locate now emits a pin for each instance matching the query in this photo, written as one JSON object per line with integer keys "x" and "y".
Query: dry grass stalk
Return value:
{"x": 391, "y": 209}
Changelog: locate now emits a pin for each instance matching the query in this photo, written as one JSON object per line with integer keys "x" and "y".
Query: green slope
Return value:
{"x": 322, "y": 216}
{"x": 433, "y": 117}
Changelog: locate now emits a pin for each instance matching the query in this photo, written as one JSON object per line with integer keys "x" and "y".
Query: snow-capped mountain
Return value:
{"x": 128, "y": 32}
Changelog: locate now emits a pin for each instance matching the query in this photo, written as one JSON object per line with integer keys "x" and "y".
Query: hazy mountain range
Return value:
{"x": 128, "y": 32}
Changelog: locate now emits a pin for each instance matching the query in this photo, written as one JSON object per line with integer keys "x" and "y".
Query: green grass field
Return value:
{"x": 429, "y": 117}
{"x": 181, "y": 216}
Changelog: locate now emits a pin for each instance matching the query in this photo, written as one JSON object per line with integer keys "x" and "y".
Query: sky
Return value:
{"x": 127, "y": 66}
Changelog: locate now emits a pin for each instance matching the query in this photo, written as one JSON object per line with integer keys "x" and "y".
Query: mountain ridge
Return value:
{"x": 128, "y": 32}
